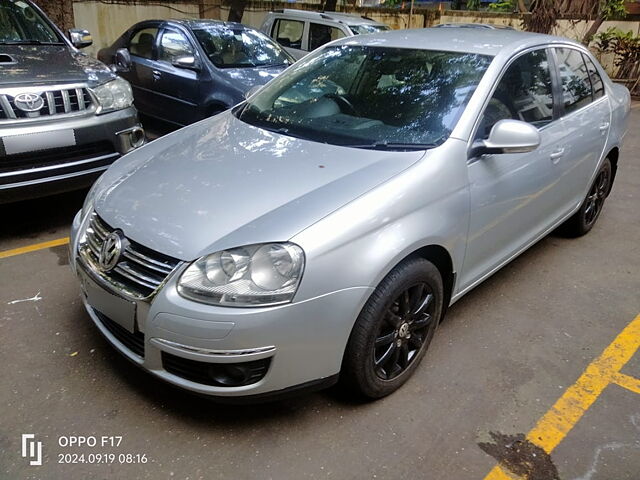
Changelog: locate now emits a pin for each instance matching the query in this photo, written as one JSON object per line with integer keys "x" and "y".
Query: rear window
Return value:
{"x": 596, "y": 80}
{"x": 367, "y": 28}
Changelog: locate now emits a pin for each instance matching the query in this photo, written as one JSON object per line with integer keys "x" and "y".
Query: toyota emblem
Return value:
{"x": 28, "y": 102}
{"x": 110, "y": 252}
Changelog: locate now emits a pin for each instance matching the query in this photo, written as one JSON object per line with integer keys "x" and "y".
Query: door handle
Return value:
{"x": 604, "y": 126}
{"x": 556, "y": 155}
{"x": 156, "y": 73}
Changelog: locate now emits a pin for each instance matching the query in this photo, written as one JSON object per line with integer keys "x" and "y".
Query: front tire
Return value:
{"x": 585, "y": 218}
{"x": 394, "y": 329}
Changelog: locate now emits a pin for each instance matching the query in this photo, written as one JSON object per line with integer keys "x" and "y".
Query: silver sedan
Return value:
{"x": 318, "y": 231}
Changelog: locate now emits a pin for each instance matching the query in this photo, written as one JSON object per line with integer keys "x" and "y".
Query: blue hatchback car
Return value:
{"x": 183, "y": 71}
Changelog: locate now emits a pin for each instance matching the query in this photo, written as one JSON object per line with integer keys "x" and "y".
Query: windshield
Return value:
{"x": 21, "y": 24}
{"x": 365, "y": 28}
{"x": 369, "y": 97}
{"x": 229, "y": 47}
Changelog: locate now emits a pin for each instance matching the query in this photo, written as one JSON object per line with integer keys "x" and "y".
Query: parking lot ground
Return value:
{"x": 507, "y": 355}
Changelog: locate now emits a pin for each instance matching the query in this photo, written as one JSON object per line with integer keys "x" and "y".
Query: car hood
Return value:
{"x": 49, "y": 64}
{"x": 221, "y": 183}
{"x": 244, "y": 79}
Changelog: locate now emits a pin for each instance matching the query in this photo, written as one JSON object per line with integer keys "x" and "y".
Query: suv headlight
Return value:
{"x": 114, "y": 95}
{"x": 251, "y": 276}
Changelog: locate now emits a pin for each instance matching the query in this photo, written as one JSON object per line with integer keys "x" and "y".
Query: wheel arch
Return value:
{"x": 441, "y": 258}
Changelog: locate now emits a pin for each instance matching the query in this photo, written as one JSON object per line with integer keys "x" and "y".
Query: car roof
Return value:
{"x": 340, "y": 17}
{"x": 474, "y": 25}
{"x": 468, "y": 40}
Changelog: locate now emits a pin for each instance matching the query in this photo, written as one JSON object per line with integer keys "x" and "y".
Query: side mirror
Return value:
{"x": 122, "y": 60}
{"x": 188, "y": 62}
{"x": 252, "y": 90}
{"x": 80, "y": 38}
{"x": 508, "y": 136}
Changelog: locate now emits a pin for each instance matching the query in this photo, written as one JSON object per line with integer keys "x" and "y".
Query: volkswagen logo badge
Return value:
{"x": 28, "y": 102}
{"x": 110, "y": 252}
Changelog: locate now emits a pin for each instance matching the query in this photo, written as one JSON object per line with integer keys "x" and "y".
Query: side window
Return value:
{"x": 523, "y": 93}
{"x": 288, "y": 33}
{"x": 320, "y": 34}
{"x": 141, "y": 44}
{"x": 174, "y": 45}
{"x": 596, "y": 80}
{"x": 576, "y": 87}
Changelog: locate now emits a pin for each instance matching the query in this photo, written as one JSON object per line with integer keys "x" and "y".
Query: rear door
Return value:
{"x": 142, "y": 47}
{"x": 178, "y": 88}
{"x": 321, "y": 33}
{"x": 585, "y": 122}
{"x": 290, "y": 33}
{"x": 511, "y": 204}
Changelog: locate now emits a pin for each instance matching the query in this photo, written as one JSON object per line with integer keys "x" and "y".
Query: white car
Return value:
{"x": 301, "y": 32}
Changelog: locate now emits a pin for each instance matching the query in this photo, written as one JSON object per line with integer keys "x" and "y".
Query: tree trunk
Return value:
{"x": 330, "y": 5}
{"x": 522, "y": 8}
{"x": 593, "y": 29}
{"x": 59, "y": 11}
{"x": 237, "y": 10}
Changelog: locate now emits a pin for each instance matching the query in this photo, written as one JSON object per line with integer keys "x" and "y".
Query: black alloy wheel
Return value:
{"x": 403, "y": 332}
{"x": 394, "y": 329}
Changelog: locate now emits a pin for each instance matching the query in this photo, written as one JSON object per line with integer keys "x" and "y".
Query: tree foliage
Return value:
{"x": 544, "y": 13}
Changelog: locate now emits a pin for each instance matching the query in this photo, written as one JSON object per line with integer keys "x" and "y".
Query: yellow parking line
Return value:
{"x": 576, "y": 400}
{"x": 628, "y": 382}
{"x": 33, "y": 248}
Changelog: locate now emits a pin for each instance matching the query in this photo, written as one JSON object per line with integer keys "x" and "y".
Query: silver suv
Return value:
{"x": 64, "y": 117}
{"x": 300, "y": 32}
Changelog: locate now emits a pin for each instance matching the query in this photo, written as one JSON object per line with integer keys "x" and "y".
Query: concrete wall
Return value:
{"x": 108, "y": 21}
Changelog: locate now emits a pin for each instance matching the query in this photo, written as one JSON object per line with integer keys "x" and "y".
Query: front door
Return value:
{"x": 177, "y": 87}
{"x": 510, "y": 194}
{"x": 142, "y": 49}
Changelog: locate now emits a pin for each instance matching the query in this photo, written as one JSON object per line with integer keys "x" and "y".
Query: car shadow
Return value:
{"x": 32, "y": 219}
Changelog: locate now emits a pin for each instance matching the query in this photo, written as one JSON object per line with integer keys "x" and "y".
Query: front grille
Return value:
{"x": 216, "y": 374}
{"x": 60, "y": 101}
{"x": 56, "y": 156}
{"x": 133, "y": 341}
{"x": 140, "y": 270}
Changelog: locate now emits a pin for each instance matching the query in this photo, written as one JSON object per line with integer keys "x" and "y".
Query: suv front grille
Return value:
{"x": 60, "y": 101}
{"x": 140, "y": 270}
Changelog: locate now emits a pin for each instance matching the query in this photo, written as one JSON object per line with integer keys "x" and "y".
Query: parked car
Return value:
{"x": 64, "y": 117}
{"x": 321, "y": 229}
{"x": 489, "y": 26}
{"x": 301, "y": 31}
{"x": 185, "y": 70}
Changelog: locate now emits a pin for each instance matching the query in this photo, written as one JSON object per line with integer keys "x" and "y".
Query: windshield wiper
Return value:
{"x": 391, "y": 146}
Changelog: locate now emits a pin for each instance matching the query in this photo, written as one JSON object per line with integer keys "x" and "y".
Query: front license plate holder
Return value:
{"x": 113, "y": 306}
{"x": 33, "y": 142}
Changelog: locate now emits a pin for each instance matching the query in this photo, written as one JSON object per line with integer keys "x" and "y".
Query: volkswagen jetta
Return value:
{"x": 319, "y": 230}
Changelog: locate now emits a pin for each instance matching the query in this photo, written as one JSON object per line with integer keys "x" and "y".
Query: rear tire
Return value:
{"x": 585, "y": 218}
{"x": 394, "y": 329}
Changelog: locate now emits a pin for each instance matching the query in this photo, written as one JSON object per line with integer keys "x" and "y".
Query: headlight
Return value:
{"x": 114, "y": 95}
{"x": 251, "y": 276}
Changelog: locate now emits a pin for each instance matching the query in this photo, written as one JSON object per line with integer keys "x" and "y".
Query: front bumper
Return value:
{"x": 300, "y": 343}
{"x": 99, "y": 141}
